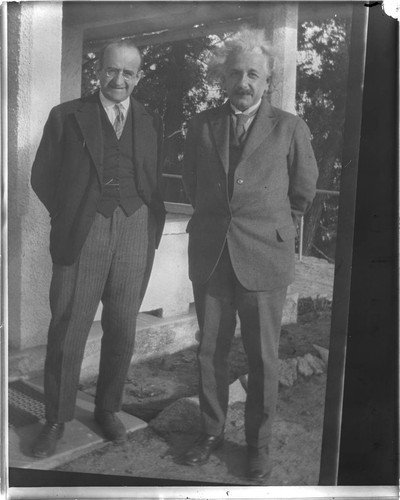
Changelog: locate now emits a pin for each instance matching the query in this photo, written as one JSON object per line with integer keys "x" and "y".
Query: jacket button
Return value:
{"x": 240, "y": 181}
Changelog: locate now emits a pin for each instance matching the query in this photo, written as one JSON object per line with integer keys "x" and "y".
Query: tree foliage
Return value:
{"x": 321, "y": 100}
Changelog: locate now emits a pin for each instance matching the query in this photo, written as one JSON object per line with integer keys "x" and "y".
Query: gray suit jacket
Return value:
{"x": 274, "y": 184}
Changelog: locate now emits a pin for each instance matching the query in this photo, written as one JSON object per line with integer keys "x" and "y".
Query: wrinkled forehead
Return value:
{"x": 121, "y": 56}
{"x": 254, "y": 59}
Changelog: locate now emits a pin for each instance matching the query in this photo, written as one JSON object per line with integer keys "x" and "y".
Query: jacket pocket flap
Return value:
{"x": 286, "y": 232}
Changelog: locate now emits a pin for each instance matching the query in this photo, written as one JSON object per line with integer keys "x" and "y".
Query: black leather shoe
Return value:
{"x": 201, "y": 451}
{"x": 46, "y": 442}
{"x": 111, "y": 426}
{"x": 258, "y": 463}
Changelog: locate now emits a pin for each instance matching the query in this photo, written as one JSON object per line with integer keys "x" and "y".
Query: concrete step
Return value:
{"x": 155, "y": 337}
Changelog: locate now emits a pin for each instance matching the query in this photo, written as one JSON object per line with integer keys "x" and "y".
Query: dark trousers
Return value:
{"x": 114, "y": 267}
{"x": 260, "y": 313}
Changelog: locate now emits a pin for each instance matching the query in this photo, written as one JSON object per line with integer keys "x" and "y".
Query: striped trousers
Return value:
{"x": 113, "y": 267}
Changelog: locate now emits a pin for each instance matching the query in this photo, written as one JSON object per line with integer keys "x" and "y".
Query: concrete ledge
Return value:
{"x": 26, "y": 364}
{"x": 290, "y": 308}
{"x": 155, "y": 337}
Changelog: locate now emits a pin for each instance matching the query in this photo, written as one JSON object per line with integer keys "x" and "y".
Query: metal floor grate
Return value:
{"x": 25, "y": 405}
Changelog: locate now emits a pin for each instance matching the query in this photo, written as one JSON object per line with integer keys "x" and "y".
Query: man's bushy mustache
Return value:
{"x": 243, "y": 92}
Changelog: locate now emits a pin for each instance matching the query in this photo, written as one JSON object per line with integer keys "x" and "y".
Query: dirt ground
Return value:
{"x": 154, "y": 385}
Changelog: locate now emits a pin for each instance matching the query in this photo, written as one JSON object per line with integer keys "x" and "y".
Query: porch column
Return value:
{"x": 35, "y": 34}
{"x": 280, "y": 22}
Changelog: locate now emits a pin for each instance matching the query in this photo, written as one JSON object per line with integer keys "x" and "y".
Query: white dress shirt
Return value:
{"x": 252, "y": 111}
{"x": 109, "y": 107}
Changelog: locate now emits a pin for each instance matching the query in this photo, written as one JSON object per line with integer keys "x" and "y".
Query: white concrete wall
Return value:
{"x": 169, "y": 286}
{"x": 34, "y": 87}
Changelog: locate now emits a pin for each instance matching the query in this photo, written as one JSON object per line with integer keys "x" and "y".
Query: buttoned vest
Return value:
{"x": 119, "y": 186}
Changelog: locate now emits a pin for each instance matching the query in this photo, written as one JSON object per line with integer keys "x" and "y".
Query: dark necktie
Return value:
{"x": 241, "y": 120}
{"x": 119, "y": 119}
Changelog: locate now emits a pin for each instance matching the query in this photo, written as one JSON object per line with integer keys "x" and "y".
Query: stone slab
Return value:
{"x": 81, "y": 436}
{"x": 314, "y": 278}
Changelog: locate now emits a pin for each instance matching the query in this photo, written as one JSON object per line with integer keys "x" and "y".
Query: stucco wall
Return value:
{"x": 169, "y": 286}
{"x": 35, "y": 73}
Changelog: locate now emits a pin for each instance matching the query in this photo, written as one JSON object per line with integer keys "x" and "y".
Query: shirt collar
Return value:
{"x": 249, "y": 111}
{"x": 110, "y": 104}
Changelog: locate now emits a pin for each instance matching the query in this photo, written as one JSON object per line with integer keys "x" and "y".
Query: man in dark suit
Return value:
{"x": 250, "y": 173}
{"x": 97, "y": 172}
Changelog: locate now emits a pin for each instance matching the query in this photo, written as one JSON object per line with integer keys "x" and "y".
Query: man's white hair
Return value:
{"x": 247, "y": 39}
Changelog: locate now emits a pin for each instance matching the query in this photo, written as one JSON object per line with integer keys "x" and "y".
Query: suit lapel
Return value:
{"x": 89, "y": 121}
{"x": 219, "y": 123}
{"x": 263, "y": 125}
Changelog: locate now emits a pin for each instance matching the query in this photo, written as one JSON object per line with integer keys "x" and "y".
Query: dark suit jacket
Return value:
{"x": 67, "y": 171}
{"x": 274, "y": 184}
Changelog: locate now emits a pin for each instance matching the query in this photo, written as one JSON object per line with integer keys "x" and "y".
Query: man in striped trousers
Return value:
{"x": 97, "y": 172}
